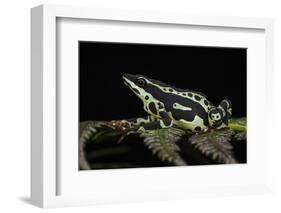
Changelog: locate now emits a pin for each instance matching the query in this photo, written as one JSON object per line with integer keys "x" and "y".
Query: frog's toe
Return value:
{"x": 205, "y": 130}
{"x": 120, "y": 125}
{"x": 125, "y": 134}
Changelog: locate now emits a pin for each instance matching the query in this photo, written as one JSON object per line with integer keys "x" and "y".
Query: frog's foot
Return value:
{"x": 120, "y": 125}
{"x": 210, "y": 129}
{"x": 125, "y": 127}
{"x": 124, "y": 134}
{"x": 132, "y": 130}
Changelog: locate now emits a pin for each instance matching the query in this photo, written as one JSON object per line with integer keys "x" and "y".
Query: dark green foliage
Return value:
{"x": 211, "y": 147}
{"x": 162, "y": 142}
{"x": 215, "y": 144}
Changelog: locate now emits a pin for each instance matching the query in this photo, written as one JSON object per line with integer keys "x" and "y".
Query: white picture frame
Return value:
{"x": 47, "y": 164}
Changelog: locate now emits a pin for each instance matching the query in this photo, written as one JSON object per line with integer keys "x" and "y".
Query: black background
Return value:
{"x": 217, "y": 72}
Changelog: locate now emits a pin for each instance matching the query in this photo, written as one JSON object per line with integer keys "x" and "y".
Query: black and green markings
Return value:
{"x": 168, "y": 106}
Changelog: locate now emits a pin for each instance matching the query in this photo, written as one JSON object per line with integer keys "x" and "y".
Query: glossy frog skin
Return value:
{"x": 168, "y": 106}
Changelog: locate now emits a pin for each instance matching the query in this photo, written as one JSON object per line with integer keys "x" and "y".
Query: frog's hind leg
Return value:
{"x": 226, "y": 106}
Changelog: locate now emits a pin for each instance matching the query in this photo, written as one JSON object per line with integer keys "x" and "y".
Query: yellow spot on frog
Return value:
{"x": 181, "y": 107}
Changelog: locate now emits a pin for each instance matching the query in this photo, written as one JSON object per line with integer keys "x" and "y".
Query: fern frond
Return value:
{"x": 215, "y": 144}
{"x": 241, "y": 136}
{"x": 162, "y": 142}
{"x": 87, "y": 130}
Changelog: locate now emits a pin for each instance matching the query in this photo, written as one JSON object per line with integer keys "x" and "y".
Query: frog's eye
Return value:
{"x": 141, "y": 82}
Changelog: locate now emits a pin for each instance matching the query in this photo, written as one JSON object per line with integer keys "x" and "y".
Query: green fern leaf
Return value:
{"x": 162, "y": 142}
{"x": 215, "y": 144}
{"x": 87, "y": 130}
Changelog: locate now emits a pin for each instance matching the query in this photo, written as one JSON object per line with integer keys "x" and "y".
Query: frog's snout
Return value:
{"x": 128, "y": 76}
{"x": 125, "y": 75}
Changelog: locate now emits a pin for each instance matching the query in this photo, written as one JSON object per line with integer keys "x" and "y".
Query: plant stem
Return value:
{"x": 237, "y": 127}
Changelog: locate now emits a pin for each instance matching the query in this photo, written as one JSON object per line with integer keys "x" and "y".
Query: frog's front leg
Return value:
{"x": 124, "y": 125}
{"x": 134, "y": 125}
{"x": 140, "y": 121}
{"x": 163, "y": 122}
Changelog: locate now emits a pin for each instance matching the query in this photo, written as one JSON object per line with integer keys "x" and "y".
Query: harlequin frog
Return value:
{"x": 167, "y": 106}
